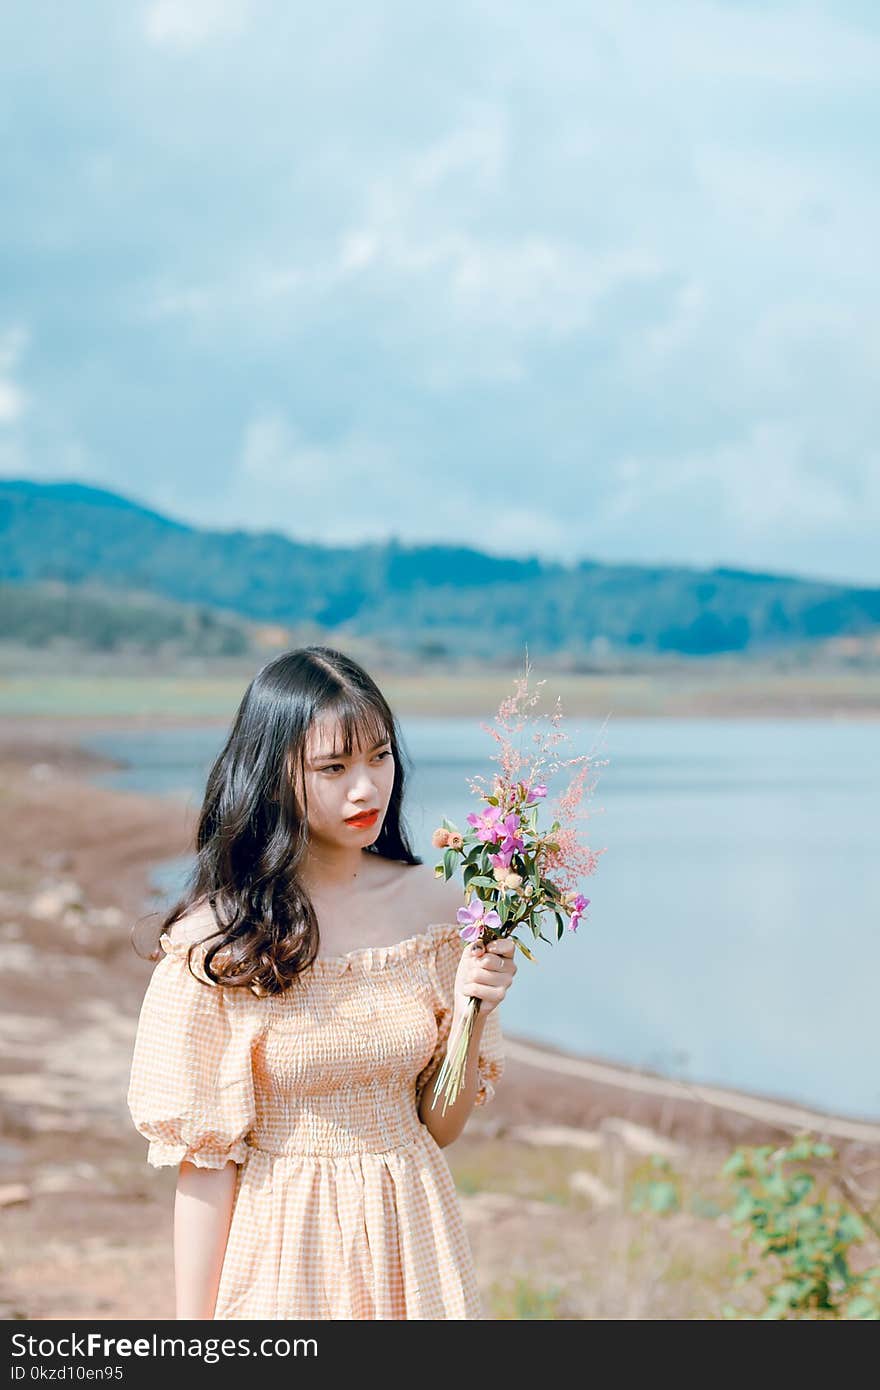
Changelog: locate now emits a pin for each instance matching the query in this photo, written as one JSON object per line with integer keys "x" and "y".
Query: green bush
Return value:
{"x": 803, "y": 1236}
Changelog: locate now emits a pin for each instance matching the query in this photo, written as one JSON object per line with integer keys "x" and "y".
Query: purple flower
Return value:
{"x": 502, "y": 859}
{"x": 485, "y": 824}
{"x": 472, "y": 919}
{"x": 511, "y": 842}
{"x": 536, "y": 793}
{"x": 579, "y": 906}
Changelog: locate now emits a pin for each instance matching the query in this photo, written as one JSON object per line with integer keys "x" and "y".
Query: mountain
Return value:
{"x": 426, "y": 597}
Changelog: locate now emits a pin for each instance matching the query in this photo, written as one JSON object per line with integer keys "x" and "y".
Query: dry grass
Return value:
{"x": 545, "y": 1250}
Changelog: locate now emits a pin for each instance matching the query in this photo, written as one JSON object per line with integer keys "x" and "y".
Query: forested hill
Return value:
{"x": 423, "y": 597}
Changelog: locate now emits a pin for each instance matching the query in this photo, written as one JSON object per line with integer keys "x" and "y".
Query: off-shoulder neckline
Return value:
{"x": 366, "y": 957}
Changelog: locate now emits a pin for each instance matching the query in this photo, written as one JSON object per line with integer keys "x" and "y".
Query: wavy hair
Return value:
{"x": 252, "y": 832}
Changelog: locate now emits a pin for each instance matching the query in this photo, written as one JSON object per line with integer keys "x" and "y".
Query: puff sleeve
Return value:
{"x": 443, "y": 964}
{"x": 191, "y": 1088}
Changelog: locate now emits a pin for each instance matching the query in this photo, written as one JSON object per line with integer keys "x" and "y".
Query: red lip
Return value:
{"x": 365, "y": 818}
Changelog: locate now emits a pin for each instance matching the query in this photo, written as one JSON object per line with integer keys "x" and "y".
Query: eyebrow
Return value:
{"x": 321, "y": 757}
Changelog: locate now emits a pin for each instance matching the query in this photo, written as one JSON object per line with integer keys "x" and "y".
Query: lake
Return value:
{"x": 732, "y": 936}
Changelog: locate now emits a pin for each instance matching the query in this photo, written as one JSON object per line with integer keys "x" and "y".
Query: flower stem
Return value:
{"x": 451, "y": 1077}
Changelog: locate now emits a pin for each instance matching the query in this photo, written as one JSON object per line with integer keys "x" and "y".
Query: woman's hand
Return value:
{"x": 484, "y": 972}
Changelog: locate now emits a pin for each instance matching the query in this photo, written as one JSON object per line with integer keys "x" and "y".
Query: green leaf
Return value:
{"x": 525, "y": 950}
{"x": 450, "y": 862}
{"x": 863, "y": 1307}
{"x": 850, "y": 1228}
{"x": 663, "y": 1197}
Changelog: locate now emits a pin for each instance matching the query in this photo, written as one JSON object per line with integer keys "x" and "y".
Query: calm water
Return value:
{"x": 733, "y": 934}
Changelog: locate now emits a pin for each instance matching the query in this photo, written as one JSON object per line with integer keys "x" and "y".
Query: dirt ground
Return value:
{"x": 544, "y": 1173}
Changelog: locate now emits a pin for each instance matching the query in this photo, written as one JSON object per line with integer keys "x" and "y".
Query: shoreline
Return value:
{"x": 544, "y": 1174}
{"x": 113, "y": 689}
{"x": 162, "y": 826}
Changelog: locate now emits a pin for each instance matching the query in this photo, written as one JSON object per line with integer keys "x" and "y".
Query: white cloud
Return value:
{"x": 13, "y": 399}
{"x": 757, "y": 483}
{"x": 779, "y": 44}
{"x": 484, "y": 296}
{"x": 341, "y": 491}
{"x": 628, "y": 248}
{"x": 188, "y": 23}
{"x": 12, "y": 402}
{"x": 477, "y": 149}
{"x": 357, "y": 489}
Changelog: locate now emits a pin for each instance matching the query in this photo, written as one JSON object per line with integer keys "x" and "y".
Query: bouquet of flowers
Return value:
{"x": 516, "y": 873}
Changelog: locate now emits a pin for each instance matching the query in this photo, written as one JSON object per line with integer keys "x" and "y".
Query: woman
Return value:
{"x": 308, "y": 983}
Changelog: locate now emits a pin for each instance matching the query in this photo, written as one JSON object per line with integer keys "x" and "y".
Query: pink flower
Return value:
{"x": 455, "y": 841}
{"x": 572, "y": 861}
{"x": 511, "y": 841}
{"x": 474, "y": 918}
{"x": 502, "y": 859}
{"x": 440, "y": 838}
{"x": 579, "y": 906}
{"x": 536, "y": 793}
{"x": 485, "y": 824}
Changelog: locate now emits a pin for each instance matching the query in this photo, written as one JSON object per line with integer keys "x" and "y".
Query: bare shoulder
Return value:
{"x": 434, "y": 899}
{"x": 198, "y": 924}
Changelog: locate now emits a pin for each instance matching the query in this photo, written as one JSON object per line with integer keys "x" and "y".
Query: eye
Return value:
{"x": 333, "y": 767}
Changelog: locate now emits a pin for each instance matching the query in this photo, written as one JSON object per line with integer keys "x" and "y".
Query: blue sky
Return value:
{"x": 571, "y": 279}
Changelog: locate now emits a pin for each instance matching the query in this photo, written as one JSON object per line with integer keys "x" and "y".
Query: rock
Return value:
{"x": 105, "y": 917}
{"x": 588, "y": 1185}
{"x": 565, "y": 1135}
{"x": 51, "y": 902}
{"x": 12, "y": 1192}
{"x": 43, "y": 772}
{"x": 637, "y": 1139}
{"x": 486, "y": 1206}
{"x": 58, "y": 861}
{"x": 66, "y": 1177}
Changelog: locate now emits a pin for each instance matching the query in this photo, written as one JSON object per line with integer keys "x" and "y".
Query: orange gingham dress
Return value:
{"x": 344, "y": 1205}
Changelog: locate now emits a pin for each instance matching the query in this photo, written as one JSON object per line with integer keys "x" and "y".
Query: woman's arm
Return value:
{"x": 445, "y": 1129}
{"x": 202, "y": 1215}
{"x": 484, "y": 973}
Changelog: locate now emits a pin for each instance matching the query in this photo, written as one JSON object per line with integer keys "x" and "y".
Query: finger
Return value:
{"x": 492, "y": 960}
{"x": 493, "y": 993}
{"x": 504, "y": 946}
{"x": 491, "y": 974}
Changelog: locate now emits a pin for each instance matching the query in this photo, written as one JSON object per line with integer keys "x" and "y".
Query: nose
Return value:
{"x": 363, "y": 786}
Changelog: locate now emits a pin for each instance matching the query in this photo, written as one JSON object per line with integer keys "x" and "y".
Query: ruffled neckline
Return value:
{"x": 361, "y": 958}
{"x": 377, "y": 957}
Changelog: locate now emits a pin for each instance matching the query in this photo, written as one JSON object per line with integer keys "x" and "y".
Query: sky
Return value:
{"x": 576, "y": 280}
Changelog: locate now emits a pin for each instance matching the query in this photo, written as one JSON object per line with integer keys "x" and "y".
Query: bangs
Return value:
{"x": 359, "y": 720}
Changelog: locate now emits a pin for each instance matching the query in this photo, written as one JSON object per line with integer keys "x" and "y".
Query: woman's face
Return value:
{"x": 340, "y": 787}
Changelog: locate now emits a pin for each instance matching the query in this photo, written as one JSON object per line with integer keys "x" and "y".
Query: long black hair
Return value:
{"x": 252, "y": 832}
